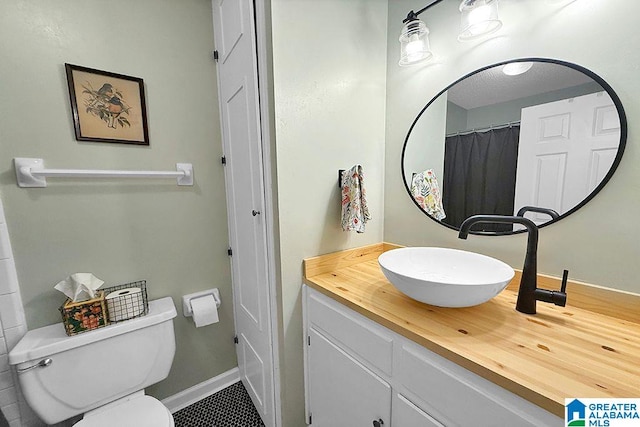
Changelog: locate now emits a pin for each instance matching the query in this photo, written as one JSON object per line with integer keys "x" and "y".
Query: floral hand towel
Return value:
{"x": 426, "y": 192}
{"x": 355, "y": 212}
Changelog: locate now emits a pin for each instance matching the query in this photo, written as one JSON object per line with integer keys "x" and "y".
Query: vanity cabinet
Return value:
{"x": 342, "y": 391}
{"x": 358, "y": 372}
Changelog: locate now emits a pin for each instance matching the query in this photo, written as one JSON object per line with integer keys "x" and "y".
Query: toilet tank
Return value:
{"x": 94, "y": 368}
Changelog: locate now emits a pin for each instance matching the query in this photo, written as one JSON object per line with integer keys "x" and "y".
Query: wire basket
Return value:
{"x": 126, "y": 301}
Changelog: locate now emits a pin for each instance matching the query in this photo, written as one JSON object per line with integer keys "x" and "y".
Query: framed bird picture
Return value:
{"x": 107, "y": 107}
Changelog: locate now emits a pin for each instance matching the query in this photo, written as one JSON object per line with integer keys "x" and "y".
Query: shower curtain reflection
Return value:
{"x": 480, "y": 176}
{"x": 3, "y": 420}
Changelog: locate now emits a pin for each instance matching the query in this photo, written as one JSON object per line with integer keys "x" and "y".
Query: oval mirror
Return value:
{"x": 531, "y": 137}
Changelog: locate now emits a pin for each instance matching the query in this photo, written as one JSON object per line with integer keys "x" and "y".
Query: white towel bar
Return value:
{"x": 31, "y": 173}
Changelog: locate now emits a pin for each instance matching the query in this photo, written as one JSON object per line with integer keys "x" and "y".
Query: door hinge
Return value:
{"x": 230, "y": 252}
{"x": 223, "y": 160}
{"x": 215, "y": 55}
{"x": 235, "y": 339}
{"x": 308, "y": 339}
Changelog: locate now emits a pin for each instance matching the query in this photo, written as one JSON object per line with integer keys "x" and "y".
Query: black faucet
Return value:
{"x": 553, "y": 214}
{"x": 529, "y": 292}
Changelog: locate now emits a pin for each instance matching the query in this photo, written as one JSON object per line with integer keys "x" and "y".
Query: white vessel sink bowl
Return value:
{"x": 445, "y": 277}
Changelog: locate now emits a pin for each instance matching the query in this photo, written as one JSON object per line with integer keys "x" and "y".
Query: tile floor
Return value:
{"x": 230, "y": 407}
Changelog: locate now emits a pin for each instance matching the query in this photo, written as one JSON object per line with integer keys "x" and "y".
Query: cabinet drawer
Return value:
{"x": 368, "y": 341}
{"x": 406, "y": 414}
{"x": 444, "y": 388}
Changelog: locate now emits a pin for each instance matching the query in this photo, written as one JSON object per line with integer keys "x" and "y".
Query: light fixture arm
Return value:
{"x": 412, "y": 16}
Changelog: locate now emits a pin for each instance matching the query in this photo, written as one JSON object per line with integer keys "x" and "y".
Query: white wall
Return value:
{"x": 174, "y": 237}
{"x": 599, "y": 243}
{"x": 329, "y": 85}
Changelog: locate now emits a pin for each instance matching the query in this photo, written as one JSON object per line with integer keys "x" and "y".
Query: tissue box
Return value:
{"x": 84, "y": 315}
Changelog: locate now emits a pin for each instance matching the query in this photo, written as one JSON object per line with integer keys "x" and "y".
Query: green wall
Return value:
{"x": 456, "y": 118}
{"x": 424, "y": 150}
{"x": 329, "y": 86}
{"x": 122, "y": 231}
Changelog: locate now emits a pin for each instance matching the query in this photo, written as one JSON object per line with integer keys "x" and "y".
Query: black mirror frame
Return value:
{"x": 605, "y": 180}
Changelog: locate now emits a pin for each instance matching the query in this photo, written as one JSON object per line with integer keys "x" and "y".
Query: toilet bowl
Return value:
{"x": 101, "y": 374}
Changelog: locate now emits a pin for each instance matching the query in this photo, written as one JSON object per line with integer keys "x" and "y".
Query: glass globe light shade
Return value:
{"x": 414, "y": 43}
{"x": 478, "y": 18}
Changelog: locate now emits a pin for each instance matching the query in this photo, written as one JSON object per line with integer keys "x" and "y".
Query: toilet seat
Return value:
{"x": 139, "y": 411}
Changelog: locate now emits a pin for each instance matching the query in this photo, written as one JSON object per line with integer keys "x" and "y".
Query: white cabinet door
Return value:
{"x": 342, "y": 392}
{"x": 406, "y": 414}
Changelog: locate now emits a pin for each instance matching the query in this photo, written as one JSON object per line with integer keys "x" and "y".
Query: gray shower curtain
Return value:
{"x": 480, "y": 176}
{"x": 3, "y": 420}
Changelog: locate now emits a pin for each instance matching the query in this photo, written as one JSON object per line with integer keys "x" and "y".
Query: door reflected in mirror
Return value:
{"x": 540, "y": 143}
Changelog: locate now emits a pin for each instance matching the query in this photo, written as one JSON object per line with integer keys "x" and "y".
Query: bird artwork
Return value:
{"x": 106, "y": 90}
{"x": 107, "y": 104}
{"x": 115, "y": 107}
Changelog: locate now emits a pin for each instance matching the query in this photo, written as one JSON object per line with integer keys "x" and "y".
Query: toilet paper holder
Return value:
{"x": 186, "y": 300}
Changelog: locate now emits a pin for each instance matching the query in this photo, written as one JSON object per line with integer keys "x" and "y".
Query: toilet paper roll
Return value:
{"x": 125, "y": 304}
{"x": 205, "y": 311}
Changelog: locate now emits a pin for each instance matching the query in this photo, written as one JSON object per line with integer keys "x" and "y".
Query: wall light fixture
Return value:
{"x": 478, "y": 18}
{"x": 414, "y": 39}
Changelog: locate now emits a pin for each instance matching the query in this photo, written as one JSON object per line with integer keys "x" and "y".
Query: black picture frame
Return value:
{"x": 107, "y": 107}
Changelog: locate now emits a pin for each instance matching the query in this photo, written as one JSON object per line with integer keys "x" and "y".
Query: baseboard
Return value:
{"x": 200, "y": 391}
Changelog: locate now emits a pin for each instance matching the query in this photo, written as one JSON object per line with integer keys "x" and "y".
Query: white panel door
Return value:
{"x": 566, "y": 148}
{"x": 235, "y": 41}
{"x": 342, "y": 392}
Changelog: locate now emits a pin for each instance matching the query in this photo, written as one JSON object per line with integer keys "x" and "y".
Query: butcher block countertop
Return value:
{"x": 589, "y": 349}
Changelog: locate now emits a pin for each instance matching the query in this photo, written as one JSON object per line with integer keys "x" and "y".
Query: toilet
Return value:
{"x": 100, "y": 374}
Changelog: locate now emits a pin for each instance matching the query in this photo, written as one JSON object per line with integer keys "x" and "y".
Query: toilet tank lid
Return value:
{"x": 49, "y": 340}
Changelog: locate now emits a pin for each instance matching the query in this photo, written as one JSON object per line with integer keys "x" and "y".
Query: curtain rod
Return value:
{"x": 485, "y": 129}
